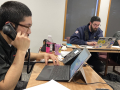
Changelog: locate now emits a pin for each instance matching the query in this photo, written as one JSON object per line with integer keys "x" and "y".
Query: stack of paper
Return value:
{"x": 51, "y": 85}
{"x": 64, "y": 53}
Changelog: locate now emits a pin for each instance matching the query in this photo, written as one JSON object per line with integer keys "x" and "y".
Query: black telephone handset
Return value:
{"x": 9, "y": 31}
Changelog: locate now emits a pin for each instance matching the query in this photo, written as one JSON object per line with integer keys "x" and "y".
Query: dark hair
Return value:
{"x": 95, "y": 18}
{"x": 13, "y": 11}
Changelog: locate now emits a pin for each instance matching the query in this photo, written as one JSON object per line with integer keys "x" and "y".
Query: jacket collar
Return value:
{"x": 4, "y": 43}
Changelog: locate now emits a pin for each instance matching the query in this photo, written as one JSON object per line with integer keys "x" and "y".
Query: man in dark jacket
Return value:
{"x": 88, "y": 35}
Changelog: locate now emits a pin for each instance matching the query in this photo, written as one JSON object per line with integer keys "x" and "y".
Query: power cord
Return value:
{"x": 93, "y": 83}
{"x": 88, "y": 83}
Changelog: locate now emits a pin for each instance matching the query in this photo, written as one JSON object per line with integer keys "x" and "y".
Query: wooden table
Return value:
{"x": 109, "y": 50}
{"x": 91, "y": 77}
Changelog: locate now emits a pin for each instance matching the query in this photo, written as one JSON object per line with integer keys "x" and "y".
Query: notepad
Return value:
{"x": 70, "y": 45}
{"x": 51, "y": 85}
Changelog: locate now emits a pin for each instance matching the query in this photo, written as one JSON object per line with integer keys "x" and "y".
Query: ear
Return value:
{"x": 90, "y": 23}
{"x": 7, "y": 22}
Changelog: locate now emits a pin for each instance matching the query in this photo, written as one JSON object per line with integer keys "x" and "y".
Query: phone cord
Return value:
{"x": 28, "y": 64}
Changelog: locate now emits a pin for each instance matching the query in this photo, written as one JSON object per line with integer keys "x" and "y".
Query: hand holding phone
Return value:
{"x": 21, "y": 42}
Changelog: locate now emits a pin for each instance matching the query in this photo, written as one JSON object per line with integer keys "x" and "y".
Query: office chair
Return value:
{"x": 104, "y": 56}
{"x": 68, "y": 39}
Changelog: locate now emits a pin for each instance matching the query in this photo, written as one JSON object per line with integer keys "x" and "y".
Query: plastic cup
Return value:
{"x": 58, "y": 49}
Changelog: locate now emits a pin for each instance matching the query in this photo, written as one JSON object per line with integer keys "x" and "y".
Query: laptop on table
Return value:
{"x": 105, "y": 42}
{"x": 66, "y": 72}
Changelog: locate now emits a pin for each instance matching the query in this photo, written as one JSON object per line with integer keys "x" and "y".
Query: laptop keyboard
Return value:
{"x": 60, "y": 73}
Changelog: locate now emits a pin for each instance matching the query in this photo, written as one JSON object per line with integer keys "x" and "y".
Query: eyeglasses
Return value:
{"x": 28, "y": 27}
{"x": 95, "y": 25}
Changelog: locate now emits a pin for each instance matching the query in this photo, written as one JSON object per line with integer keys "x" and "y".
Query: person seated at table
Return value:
{"x": 13, "y": 52}
{"x": 116, "y": 56}
{"x": 89, "y": 35}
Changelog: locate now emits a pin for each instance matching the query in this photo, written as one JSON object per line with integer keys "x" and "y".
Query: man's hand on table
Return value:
{"x": 51, "y": 56}
{"x": 91, "y": 43}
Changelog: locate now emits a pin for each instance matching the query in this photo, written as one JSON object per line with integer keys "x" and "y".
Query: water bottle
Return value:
{"x": 49, "y": 46}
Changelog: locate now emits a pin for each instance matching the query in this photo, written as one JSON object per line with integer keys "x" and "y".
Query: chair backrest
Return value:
{"x": 102, "y": 53}
{"x": 68, "y": 39}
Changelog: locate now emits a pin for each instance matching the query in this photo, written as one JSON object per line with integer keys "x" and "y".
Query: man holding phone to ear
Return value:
{"x": 13, "y": 53}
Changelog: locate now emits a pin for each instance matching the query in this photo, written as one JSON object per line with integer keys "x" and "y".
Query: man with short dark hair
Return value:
{"x": 89, "y": 35}
{"x": 12, "y": 53}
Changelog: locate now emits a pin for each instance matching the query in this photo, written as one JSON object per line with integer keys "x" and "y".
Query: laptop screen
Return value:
{"x": 82, "y": 57}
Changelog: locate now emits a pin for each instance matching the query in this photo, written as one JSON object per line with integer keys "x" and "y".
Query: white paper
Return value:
{"x": 64, "y": 48}
{"x": 64, "y": 53}
{"x": 60, "y": 58}
{"x": 116, "y": 46}
{"x": 89, "y": 47}
{"x": 83, "y": 46}
{"x": 51, "y": 85}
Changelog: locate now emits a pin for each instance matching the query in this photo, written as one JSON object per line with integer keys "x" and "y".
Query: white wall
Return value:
{"x": 48, "y": 18}
{"x": 103, "y": 13}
